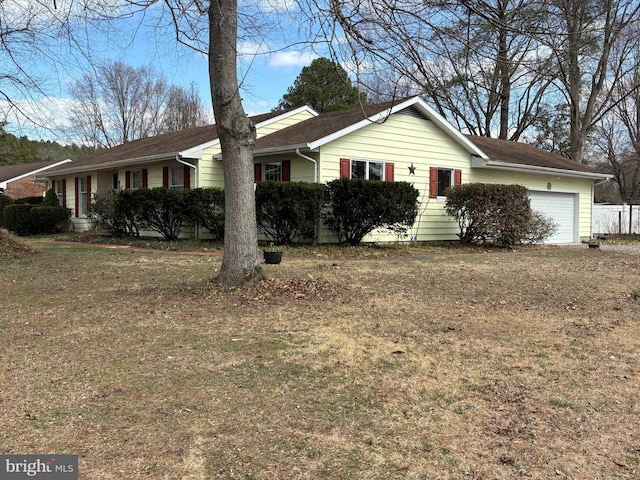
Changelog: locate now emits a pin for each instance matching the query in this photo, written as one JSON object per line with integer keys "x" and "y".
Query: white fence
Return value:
{"x": 614, "y": 219}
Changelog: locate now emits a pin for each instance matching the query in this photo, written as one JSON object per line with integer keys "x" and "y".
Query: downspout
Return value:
{"x": 315, "y": 180}
{"x": 195, "y": 185}
{"x": 315, "y": 164}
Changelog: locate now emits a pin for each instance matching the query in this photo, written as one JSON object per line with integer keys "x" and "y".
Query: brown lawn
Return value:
{"x": 451, "y": 364}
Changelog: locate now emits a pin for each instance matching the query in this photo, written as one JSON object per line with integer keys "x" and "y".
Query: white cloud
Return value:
{"x": 291, "y": 59}
{"x": 45, "y": 119}
{"x": 277, "y": 5}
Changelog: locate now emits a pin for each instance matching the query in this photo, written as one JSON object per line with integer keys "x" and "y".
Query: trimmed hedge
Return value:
{"x": 17, "y": 219}
{"x": 288, "y": 212}
{"x": 490, "y": 213}
{"x": 354, "y": 208}
{"x": 48, "y": 219}
{"x": 4, "y": 201}
{"x": 205, "y": 207}
{"x": 24, "y": 219}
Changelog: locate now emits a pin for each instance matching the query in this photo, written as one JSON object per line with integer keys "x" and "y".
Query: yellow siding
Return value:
{"x": 538, "y": 182}
{"x": 281, "y": 123}
{"x": 403, "y": 140}
{"x": 211, "y": 173}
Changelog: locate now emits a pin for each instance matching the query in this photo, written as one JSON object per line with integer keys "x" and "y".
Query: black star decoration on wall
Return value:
{"x": 412, "y": 169}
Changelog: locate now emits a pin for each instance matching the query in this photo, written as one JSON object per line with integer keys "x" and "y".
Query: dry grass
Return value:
{"x": 485, "y": 365}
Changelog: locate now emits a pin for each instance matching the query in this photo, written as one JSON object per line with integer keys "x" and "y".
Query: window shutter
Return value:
{"x": 145, "y": 178}
{"x": 457, "y": 177}
{"x": 286, "y": 170}
{"x": 257, "y": 172}
{"x": 127, "y": 179}
{"x": 53, "y": 185}
{"x": 88, "y": 193}
{"x": 165, "y": 177}
{"x": 77, "y": 197}
{"x": 388, "y": 172}
{"x": 187, "y": 178}
{"x": 64, "y": 192}
{"x": 433, "y": 182}
{"x": 345, "y": 168}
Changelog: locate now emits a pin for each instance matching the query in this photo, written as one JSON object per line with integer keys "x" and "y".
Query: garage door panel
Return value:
{"x": 561, "y": 208}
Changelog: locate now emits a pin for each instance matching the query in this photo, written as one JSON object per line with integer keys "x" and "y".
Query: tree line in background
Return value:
{"x": 14, "y": 150}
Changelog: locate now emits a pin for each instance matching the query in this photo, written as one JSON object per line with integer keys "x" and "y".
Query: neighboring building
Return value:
{"x": 19, "y": 181}
{"x": 402, "y": 141}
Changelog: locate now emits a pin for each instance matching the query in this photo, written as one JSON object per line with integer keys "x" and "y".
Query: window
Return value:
{"x": 136, "y": 179}
{"x": 366, "y": 169}
{"x": 176, "y": 177}
{"x": 83, "y": 195}
{"x": 442, "y": 178}
{"x": 133, "y": 179}
{"x": 60, "y": 193}
{"x": 82, "y": 199}
{"x": 273, "y": 171}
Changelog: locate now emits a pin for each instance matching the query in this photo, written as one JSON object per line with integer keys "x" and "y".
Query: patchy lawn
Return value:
{"x": 451, "y": 364}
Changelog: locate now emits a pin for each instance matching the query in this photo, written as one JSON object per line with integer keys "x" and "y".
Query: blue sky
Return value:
{"x": 263, "y": 83}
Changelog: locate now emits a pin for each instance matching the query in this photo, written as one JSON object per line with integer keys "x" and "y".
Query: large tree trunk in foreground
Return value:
{"x": 240, "y": 263}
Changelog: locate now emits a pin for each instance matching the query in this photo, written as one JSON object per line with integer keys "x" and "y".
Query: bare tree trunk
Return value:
{"x": 240, "y": 263}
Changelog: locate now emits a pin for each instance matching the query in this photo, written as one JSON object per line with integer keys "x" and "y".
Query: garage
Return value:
{"x": 561, "y": 207}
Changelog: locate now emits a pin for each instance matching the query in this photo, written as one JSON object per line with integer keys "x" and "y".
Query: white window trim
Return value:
{"x": 443, "y": 198}
{"x": 264, "y": 171}
{"x": 82, "y": 194}
{"x": 172, "y": 184}
{"x": 368, "y": 161}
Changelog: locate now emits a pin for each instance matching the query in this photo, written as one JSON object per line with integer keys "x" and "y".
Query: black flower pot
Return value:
{"x": 272, "y": 258}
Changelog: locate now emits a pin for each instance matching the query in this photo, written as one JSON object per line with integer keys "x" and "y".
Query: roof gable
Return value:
{"x": 313, "y": 133}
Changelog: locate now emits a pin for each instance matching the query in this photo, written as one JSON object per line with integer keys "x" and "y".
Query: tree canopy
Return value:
{"x": 324, "y": 86}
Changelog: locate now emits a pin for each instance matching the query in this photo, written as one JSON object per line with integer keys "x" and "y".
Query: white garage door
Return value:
{"x": 561, "y": 208}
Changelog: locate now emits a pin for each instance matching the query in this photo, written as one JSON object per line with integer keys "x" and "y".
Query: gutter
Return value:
{"x": 117, "y": 163}
{"x": 477, "y": 162}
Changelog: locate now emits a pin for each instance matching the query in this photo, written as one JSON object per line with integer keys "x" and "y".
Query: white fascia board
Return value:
{"x": 288, "y": 114}
{"x": 284, "y": 149}
{"x": 420, "y": 105}
{"x": 518, "y": 167}
{"x": 113, "y": 164}
{"x": 33, "y": 172}
{"x": 196, "y": 152}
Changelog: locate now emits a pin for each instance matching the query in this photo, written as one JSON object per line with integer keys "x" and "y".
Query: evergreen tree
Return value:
{"x": 324, "y": 86}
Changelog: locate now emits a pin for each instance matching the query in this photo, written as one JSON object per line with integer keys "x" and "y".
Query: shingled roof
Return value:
{"x": 324, "y": 125}
{"x": 505, "y": 151}
{"x": 9, "y": 172}
{"x": 167, "y": 144}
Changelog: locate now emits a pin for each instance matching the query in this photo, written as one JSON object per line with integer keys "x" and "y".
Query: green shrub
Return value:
{"x": 541, "y": 228}
{"x": 30, "y": 200}
{"x": 288, "y": 212}
{"x": 490, "y": 213}
{"x": 50, "y": 199}
{"x": 50, "y": 219}
{"x": 205, "y": 207}
{"x": 108, "y": 213}
{"x": 16, "y": 219}
{"x": 161, "y": 209}
{"x": 4, "y": 201}
{"x": 354, "y": 208}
